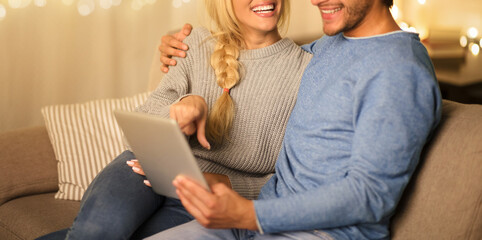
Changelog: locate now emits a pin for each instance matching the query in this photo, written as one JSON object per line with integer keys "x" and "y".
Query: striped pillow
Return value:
{"x": 85, "y": 138}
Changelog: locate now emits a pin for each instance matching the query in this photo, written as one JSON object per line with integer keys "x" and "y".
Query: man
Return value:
{"x": 367, "y": 103}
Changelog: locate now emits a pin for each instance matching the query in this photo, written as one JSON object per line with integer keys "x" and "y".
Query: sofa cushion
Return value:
{"x": 26, "y": 151}
{"x": 444, "y": 197}
{"x": 33, "y": 216}
{"x": 85, "y": 137}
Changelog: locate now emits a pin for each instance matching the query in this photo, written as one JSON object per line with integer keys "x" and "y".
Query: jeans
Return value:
{"x": 194, "y": 231}
{"x": 117, "y": 205}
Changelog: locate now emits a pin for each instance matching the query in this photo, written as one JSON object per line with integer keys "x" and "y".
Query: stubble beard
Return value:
{"x": 354, "y": 16}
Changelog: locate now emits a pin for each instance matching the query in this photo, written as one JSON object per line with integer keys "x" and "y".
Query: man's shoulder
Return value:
{"x": 397, "y": 48}
{"x": 318, "y": 45}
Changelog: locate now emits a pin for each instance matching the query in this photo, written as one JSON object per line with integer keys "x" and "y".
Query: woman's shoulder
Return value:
{"x": 200, "y": 39}
{"x": 198, "y": 34}
{"x": 298, "y": 51}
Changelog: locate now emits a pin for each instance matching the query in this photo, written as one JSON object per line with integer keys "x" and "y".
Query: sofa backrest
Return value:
{"x": 444, "y": 198}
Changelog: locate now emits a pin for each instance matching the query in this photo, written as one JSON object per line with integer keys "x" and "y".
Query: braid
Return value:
{"x": 225, "y": 63}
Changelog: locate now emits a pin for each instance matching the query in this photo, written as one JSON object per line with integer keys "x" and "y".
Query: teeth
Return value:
{"x": 264, "y": 8}
{"x": 331, "y": 11}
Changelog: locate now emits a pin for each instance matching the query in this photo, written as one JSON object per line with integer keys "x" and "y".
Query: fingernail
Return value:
{"x": 147, "y": 182}
{"x": 134, "y": 160}
{"x": 184, "y": 47}
{"x": 183, "y": 54}
{"x": 172, "y": 62}
{"x": 130, "y": 163}
{"x": 178, "y": 178}
{"x": 136, "y": 169}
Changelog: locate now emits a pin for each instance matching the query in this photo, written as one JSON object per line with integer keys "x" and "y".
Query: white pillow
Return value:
{"x": 85, "y": 138}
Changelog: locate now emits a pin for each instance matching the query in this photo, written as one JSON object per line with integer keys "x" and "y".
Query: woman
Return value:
{"x": 240, "y": 80}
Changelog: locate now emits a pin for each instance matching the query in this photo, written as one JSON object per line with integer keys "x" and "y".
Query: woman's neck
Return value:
{"x": 254, "y": 40}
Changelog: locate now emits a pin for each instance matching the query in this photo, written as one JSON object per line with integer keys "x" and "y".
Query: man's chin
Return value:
{"x": 331, "y": 31}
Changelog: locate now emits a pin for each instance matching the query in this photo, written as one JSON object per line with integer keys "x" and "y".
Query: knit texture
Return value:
{"x": 263, "y": 98}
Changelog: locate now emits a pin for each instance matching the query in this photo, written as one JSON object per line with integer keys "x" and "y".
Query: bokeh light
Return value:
{"x": 463, "y": 41}
{"x": 474, "y": 48}
{"x": 105, "y": 4}
{"x": 3, "y": 12}
{"x": 40, "y": 3}
{"x": 85, "y": 7}
{"x": 472, "y": 32}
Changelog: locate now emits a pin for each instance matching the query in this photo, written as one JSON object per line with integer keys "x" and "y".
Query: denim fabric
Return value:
{"x": 194, "y": 231}
{"x": 117, "y": 205}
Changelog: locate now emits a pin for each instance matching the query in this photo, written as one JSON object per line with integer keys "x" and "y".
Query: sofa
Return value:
{"x": 442, "y": 201}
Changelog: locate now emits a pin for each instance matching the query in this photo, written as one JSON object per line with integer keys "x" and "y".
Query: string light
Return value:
{"x": 471, "y": 41}
{"x": 474, "y": 48}
{"x": 463, "y": 41}
{"x": 16, "y": 3}
{"x": 85, "y": 7}
{"x": 40, "y": 3}
{"x": 472, "y": 32}
{"x": 105, "y": 4}
{"x": 3, "y": 12}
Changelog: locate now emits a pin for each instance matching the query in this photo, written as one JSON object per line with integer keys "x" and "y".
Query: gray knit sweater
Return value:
{"x": 263, "y": 98}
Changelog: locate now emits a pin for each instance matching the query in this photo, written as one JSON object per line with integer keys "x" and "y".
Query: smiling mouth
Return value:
{"x": 264, "y": 9}
{"x": 331, "y": 11}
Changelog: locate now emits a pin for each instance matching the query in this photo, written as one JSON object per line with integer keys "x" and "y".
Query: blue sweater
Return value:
{"x": 365, "y": 108}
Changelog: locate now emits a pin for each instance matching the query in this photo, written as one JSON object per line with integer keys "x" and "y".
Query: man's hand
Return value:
{"x": 223, "y": 208}
{"x": 171, "y": 45}
{"x": 191, "y": 114}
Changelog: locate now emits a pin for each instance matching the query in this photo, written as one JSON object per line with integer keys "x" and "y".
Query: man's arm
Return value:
{"x": 392, "y": 119}
{"x": 172, "y": 45}
{"x": 389, "y": 136}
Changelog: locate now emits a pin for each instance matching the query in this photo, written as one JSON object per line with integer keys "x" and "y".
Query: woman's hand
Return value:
{"x": 171, "y": 45}
{"x": 191, "y": 114}
{"x": 214, "y": 178}
{"x": 137, "y": 168}
{"x": 211, "y": 178}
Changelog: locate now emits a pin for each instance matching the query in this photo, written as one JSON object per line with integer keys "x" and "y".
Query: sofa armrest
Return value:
{"x": 28, "y": 164}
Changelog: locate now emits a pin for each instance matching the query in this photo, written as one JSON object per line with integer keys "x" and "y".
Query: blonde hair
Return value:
{"x": 224, "y": 60}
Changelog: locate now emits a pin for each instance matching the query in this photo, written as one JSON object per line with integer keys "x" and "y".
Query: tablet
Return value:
{"x": 161, "y": 148}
